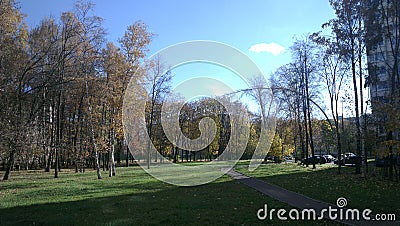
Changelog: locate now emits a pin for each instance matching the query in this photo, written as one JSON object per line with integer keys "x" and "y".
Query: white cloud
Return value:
{"x": 273, "y": 48}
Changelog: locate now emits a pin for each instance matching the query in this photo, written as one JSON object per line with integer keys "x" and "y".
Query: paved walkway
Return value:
{"x": 297, "y": 200}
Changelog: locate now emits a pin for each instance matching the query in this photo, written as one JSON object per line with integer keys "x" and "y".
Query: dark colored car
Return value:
{"x": 317, "y": 159}
{"x": 385, "y": 162}
{"x": 348, "y": 159}
{"x": 381, "y": 162}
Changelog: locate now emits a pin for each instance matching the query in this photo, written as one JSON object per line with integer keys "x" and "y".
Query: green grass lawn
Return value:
{"x": 131, "y": 198}
{"x": 324, "y": 183}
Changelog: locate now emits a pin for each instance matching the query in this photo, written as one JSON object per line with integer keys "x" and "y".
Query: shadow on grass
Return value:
{"x": 222, "y": 203}
{"x": 132, "y": 198}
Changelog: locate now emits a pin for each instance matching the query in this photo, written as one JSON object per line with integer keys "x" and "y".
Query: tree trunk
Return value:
{"x": 362, "y": 131}
{"x": 127, "y": 158}
{"x": 98, "y": 165}
{"x": 111, "y": 163}
{"x": 303, "y": 150}
{"x": 309, "y": 121}
{"x": 175, "y": 154}
{"x": 56, "y": 163}
{"x": 96, "y": 152}
{"x": 103, "y": 158}
{"x": 356, "y": 101}
{"x": 306, "y": 131}
{"x": 10, "y": 165}
{"x": 118, "y": 153}
{"x": 49, "y": 160}
{"x": 111, "y": 156}
{"x": 338, "y": 134}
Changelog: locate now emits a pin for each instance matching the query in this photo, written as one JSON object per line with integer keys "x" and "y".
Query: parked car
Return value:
{"x": 385, "y": 161}
{"x": 288, "y": 158}
{"x": 275, "y": 159}
{"x": 329, "y": 158}
{"x": 317, "y": 159}
{"x": 381, "y": 162}
{"x": 348, "y": 159}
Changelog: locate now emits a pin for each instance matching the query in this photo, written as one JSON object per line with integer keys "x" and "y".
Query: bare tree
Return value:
{"x": 349, "y": 32}
{"x": 157, "y": 83}
{"x": 333, "y": 72}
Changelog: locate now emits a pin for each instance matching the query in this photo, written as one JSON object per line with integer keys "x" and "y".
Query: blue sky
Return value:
{"x": 262, "y": 29}
{"x": 239, "y": 23}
